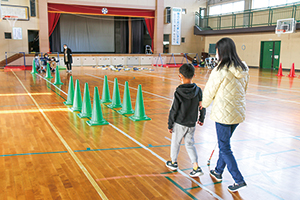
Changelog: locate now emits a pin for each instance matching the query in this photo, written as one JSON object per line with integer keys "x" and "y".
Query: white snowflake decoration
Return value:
{"x": 104, "y": 11}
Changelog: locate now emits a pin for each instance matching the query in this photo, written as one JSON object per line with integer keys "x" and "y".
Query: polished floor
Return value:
{"x": 47, "y": 152}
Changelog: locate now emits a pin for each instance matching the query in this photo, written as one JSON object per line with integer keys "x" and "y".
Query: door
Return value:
{"x": 276, "y": 51}
{"x": 269, "y": 54}
{"x": 33, "y": 41}
{"x": 166, "y": 43}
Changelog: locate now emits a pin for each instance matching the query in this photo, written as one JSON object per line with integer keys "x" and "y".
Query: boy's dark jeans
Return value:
{"x": 224, "y": 133}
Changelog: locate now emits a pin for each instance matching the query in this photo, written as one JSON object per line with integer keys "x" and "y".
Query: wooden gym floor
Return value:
{"x": 47, "y": 152}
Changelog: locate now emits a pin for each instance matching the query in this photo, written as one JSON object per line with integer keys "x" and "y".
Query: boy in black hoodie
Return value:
{"x": 183, "y": 117}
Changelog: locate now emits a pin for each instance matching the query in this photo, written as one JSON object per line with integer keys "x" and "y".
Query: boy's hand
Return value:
{"x": 200, "y": 123}
{"x": 170, "y": 130}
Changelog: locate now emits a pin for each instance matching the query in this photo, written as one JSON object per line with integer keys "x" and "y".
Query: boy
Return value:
{"x": 195, "y": 62}
{"x": 44, "y": 61}
{"x": 183, "y": 117}
{"x": 53, "y": 64}
{"x": 37, "y": 61}
{"x": 202, "y": 63}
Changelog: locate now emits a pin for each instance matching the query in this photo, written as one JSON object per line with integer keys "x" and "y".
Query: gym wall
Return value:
{"x": 289, "y": 52}
{"x": 192, "y": 44}
{"x": 10, "y": 45}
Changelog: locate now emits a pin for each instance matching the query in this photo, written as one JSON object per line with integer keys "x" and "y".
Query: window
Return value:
{"x": 166, "y": 39}
{"x": 7, "y": 35}
{"x": 268, "y": 3}
{"x": 183, "y": 11}
{"x": 32, "y": 8}
{"x": 227, "y": 8}
{"x": 183, "y": 40}
{"x": 212, "y": 49}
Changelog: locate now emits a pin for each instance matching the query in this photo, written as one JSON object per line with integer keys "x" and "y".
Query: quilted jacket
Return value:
{"x": 227, "y": 88}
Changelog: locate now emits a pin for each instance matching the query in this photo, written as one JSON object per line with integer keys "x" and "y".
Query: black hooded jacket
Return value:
{"x": 184, "y": 110}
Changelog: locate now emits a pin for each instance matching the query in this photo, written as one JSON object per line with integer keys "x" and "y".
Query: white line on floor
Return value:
{"x": 132, "y": 88}
{"x": 71, "y": 152}
{"x": 156, "y": 155}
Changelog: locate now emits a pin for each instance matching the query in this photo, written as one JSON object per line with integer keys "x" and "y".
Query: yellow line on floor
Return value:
{"x": 78, "y": 162}
{"x": 33, "y": 110}
{"x": 23, "y": 94}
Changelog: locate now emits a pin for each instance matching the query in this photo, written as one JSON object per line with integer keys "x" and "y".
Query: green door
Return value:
{"x": 276, "y": 56}
{"x": 269, "y": 54}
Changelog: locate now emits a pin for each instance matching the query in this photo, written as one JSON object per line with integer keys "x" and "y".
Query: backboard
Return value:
{"x": 285, "y": 26}
{"x": 21, "y": 12}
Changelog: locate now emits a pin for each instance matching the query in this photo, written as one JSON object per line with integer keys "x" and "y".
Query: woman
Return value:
{"x": 68, "y": 58}
{"x": 227, "y": 87}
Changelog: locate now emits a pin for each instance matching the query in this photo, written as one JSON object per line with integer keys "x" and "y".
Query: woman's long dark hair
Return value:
{"x": 227, "y": 54}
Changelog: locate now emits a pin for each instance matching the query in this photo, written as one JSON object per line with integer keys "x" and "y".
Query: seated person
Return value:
{"x": 44, "y": 61}
{"x": 213, "y": 63}
{"x": 52, "y": 63}
{"x": 36, "y": 60}
{"x": 202, "y": 63}
{"x": 194, "y": 62}
{"x": 207, "y": 62}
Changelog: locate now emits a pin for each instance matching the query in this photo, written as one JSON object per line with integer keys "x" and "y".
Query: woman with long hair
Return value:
{"x": 227, "y": 87}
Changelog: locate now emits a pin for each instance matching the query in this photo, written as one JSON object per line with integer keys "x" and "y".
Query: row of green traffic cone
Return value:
{"x": 48, "y": 73}
{"x": 85, "y": 107}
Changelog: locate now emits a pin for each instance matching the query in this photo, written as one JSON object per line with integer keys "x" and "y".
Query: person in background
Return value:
{"x": 202, "y": 63}
{"x": 36, "y": 60}
{"x": 44, "y": 61}
{"x": 194, "y": 62}
{"x": 213, "y": 63}
{"x": 53, "y": 64}
{"x": 226, "y": 88}
{"x": 68, "y": 58}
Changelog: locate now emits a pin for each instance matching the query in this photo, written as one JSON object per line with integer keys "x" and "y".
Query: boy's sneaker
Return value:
{"x": 197, "y": 172}
{"x": 217, "y": 176}
{"x": 235, "y": 187}
{"x": 172, "y": 166}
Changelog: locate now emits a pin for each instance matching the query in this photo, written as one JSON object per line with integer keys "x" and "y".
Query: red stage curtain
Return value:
{"x": 150, "y": 28}
{"x": 52, "y": 21}
{"x": 97, "y": 10}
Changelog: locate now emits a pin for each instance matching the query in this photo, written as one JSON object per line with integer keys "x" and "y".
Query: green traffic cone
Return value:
{"x": 77, "y": 102}
{"x": 48, "y": 72}
{"x": 33, "y": 68}
{"x": 34, "y": 78}
{"x": 70, "y": 92}
{"x": 97, "y": 117}
{"x": 105, "y": 92}
{"x": 116, "y": 100}
{"x": 57, "y": 77}
{"x": 139, "y": 114}
{"x": 127, "y": 107}
{"x": 86, "y": 110}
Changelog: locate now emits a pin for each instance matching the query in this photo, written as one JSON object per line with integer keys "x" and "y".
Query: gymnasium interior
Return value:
{"x": 99, "y": 130}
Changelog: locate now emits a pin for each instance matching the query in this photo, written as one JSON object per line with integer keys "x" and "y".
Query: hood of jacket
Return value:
{"x": 187, "y": 91}
{"x": 238, "y": 72}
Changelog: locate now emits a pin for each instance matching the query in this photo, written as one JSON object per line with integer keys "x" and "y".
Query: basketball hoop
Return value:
{"x": 285, "y": 26}
{"x": 280, "y": 31}
{"x": 11, "y": 19}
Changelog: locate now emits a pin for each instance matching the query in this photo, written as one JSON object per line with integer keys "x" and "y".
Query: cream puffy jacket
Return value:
{"x": 227, "y": 88}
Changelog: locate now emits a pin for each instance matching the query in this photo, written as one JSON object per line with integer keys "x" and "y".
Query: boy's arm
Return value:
{"x": 202, "y": 113}
{"x": 173, "y": 113}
